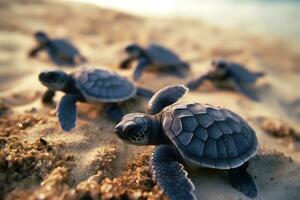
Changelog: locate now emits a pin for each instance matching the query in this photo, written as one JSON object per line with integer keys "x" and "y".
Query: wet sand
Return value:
{"x": 40, "y": 161}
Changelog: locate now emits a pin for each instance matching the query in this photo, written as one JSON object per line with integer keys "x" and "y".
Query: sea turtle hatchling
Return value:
{"x": 227, "y": 74}
{"x": 88, "y": 85}
{"x": 60, "y": 51}
{"x": 194, "y": 134}
{"x": 154, "y": 56}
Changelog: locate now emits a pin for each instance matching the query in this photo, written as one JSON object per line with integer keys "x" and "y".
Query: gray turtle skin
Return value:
{"x": 194, "y": 134}
{"x": 88, "y": 85}
{"x": 60, "y": 51}
{"x": 156, "y": 57}
{"x": 229, "y": 75}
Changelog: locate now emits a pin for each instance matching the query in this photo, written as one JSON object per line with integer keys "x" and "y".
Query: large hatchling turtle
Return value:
{"x": 60, "y": 51}
{"x": 227, "y": 74}
{"x": 88, "y": 85}
{"x": 193, "y": 134}
{"x": 154, "y": 56}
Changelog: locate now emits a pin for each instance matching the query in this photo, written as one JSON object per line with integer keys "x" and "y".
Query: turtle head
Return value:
{"x": 54, "y": 79}
{"x": 220, "y": 65}
{"x": 41, "y": 37}
{"x": 137, "y": 128}
{"x": 134, "y": 50}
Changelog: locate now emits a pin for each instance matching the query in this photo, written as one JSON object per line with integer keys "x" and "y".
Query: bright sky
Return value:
{"x": 141, "y": 7}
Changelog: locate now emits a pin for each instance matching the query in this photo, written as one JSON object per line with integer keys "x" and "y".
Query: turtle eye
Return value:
{"x": 221, "y": 65}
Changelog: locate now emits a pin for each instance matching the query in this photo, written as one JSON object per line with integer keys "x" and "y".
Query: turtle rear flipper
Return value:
{"x": 241, "y": 180}
{"x": 170, "y": 175}
{"x": 67, "y": 112}
{"x": 142, "y": 65}
{"x": 48, "y": 97}
{"x": 244, "y": 89}
{"x": 143, "y": 92}
{"x": 126, "y": 63}
{"x": 114, "y": 112}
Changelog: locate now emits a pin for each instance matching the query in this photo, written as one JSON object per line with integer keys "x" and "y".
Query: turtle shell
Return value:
{"x": 241, "y": 73}
{"x": 65, "y": 48}
{"x": 161, "y": 56}
{"x": 209, "y": 136}
{"x": 100, "y": 85}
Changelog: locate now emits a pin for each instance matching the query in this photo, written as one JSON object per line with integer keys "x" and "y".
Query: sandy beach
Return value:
{"x": 40, "y": 161}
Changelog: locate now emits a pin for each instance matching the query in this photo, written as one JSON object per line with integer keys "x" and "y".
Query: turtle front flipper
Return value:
{"x": 48, "y": 96}
{"x": 169, "y": 173}
{"x": 194, "y": 84}
{"x": 241, "y": 180}
{"x": 241, "y": 87}
{"x": 125, "y": 64}
{"x": 33, "y": 53}
{"x": 114, "y": 112}
{"x": 142, "y": 65}
{"x": 143, "y": 92}
{"x": 166, "y": 97}
{"x": 67, "y": 112}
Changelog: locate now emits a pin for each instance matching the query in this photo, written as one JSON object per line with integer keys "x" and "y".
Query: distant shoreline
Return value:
{"x": 277, "y": 19}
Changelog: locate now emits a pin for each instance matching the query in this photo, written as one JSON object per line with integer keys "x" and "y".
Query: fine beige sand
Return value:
{"x": 40, "y": 161}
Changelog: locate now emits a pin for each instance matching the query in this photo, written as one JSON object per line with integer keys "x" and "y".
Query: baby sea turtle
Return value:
{"x": 60, "y": 51}
{"x": 88, "y": 85}
{"x": 154, "y": 56}
{"x": 231, "y": 75}
{"x": 194, "y": 134}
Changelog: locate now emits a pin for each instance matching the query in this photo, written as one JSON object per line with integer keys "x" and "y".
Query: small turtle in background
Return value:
{"x": 231, "y": 75}
{"x": 194, "y": 134}
{"x": 88, "y": 85}
{"x": 154, "y": 56}
{"x": 60, "y": 51}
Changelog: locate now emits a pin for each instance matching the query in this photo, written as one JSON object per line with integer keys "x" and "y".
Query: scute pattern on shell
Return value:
{"x": 209, "y": 136}
{"x": 100, "y": 85}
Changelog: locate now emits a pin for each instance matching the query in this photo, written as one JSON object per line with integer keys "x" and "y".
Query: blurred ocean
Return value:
{"x": 275, "y": 18}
